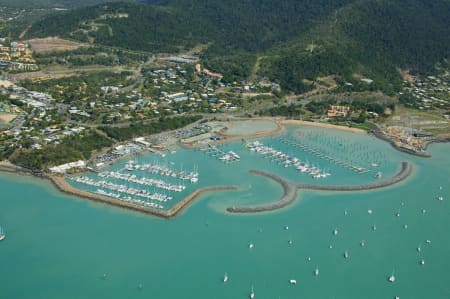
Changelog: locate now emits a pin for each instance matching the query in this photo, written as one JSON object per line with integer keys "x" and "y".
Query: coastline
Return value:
{"x": 290, "y": 188}
{"x": 322, "y": 125}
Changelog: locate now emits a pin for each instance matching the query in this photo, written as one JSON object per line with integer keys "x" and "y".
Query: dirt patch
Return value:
{"x": 51, "y": 44}
{"x": 407, "y": 76}
{"x": 6, "y": 117}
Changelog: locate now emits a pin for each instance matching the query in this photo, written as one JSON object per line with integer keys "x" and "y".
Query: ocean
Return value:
{"x": 59, "y": 246}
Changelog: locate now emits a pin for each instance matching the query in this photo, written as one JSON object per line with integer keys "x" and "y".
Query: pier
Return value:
{"x": 290, "y": 189}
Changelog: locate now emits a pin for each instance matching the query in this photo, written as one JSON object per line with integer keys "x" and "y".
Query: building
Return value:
{"x": 338, "y": 111}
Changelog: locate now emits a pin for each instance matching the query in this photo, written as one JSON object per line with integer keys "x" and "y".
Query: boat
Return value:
{"x": 392, "y": 277}
{"x": 422, "y": 262}
{"x": 2, "y": 234}
{"x": 316, "y": 272}
{"x": 250, "y": 245}
{"x": 252, "y": 294}
{"x": 346, "y": 254}
{"x": 440, "y": 198}
{"x": 378, "y": 175}
{"x": 293, "y": 281}
{"x": 362, "y": 243}
{"x": 225, "y": 277}
{"x": 335, "y": 231}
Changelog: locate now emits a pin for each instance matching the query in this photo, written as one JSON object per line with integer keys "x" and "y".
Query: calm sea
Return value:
{"x": 59, "y": 246}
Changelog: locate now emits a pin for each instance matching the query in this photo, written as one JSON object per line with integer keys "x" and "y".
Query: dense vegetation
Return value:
{"x": 71, "y": 148}
{"x": 26, "y": 4}
{"x": 298, "y": 40}
{"x": 141, "y": 129}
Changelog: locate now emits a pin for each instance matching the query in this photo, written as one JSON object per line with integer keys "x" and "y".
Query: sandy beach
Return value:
{"x": 322, "y": 125}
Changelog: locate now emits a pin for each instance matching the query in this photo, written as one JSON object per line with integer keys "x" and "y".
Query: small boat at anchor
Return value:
{"x": 2, "y": 234}
{"x": 316, "y": 272}
{"x": 252, "y": 294}
{"x": 225, "y": 277}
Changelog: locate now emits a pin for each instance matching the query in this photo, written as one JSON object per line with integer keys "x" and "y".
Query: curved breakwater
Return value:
{"x": 290, "y": 189}
{"x": 65, "y": 187}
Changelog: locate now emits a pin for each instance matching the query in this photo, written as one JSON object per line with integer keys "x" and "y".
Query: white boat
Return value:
{"x": 293, "y": 281}
{"x": 225, "y": 277}
{"x": 346, "y": 254}
{"x": 422, "y": 262}
{"x": 2, "y": 234}
{"x": 335, "y": 231}
{"x": 316, "y": 272}
{"x": 440, "y": 198}
{"x": 362, "y": 243}
{"x": 392, "y": 277}
{"x": 250, "y": 245}
{"x": 252, "y": 294}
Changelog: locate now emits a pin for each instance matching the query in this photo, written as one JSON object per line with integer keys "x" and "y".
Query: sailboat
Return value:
{"x": 225, "y": 277}
{"x": 392, "y": 277}
{"x": 2, "y": 234}
{"x": 252, "y": 294}
{"x": 316, "y": 272}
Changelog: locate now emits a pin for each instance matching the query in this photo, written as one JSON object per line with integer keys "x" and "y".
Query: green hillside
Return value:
{"x": 299, "y": 40}
{"x": 29, "y": 4}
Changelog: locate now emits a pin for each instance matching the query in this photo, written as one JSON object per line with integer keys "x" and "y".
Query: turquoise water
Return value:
{"x": 59, "y": 246}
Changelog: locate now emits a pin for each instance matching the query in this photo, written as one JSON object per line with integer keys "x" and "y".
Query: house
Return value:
{"x": 337, "y": 110}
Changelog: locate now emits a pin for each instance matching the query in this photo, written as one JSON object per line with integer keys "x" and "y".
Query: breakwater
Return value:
{"x": 289, "y": 195}
{"x": 290, "y": 189}
{"x": 61, "y": 184}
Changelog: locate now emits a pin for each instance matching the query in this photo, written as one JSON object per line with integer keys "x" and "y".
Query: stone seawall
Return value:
{"x": 289, "y": 195}
{"x": 65, "y": 187}
{"x": 290, "y": 189}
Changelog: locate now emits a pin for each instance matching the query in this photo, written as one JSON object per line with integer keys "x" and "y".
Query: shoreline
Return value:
{"x": 322, "y": 125}
{"x": 290, "y": 189}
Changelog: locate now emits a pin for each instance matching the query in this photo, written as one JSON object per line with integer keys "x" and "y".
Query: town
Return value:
{"x": 46, "y": 104}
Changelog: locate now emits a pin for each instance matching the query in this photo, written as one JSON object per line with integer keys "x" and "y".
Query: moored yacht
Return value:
{"x": 225, "y": 277}
{"x": 346, "y": 254}
{"x": 252, "y": 294}
{"x": 392, "y": 277}
{"x": 2, "y": 234}
{"x": 316, "y": 272}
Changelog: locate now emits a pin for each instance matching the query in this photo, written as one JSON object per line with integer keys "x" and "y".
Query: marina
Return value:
{"x": 345, "y": 209}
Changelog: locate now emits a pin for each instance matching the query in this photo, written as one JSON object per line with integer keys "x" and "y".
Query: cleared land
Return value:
{"x": 51, "y": 44}
{"x": 6, "y": 117}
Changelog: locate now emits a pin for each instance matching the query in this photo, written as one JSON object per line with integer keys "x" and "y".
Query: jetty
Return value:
{"x": 290, "y": 189}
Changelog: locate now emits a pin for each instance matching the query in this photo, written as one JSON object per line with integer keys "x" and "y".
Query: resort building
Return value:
{"x": 337, "y": 110}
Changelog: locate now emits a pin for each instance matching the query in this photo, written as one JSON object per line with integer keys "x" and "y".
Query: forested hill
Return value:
{"x": 29, "y": 4}
{"x": 298, "y": 39}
